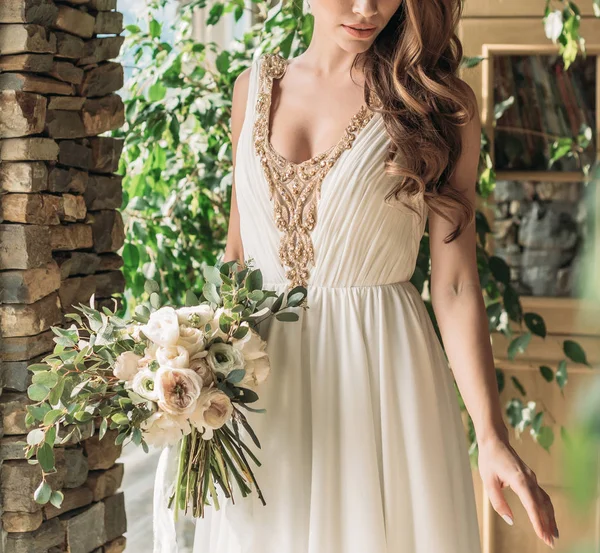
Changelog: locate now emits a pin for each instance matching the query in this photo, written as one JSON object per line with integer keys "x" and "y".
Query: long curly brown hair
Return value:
{"x": 412, "y": 68}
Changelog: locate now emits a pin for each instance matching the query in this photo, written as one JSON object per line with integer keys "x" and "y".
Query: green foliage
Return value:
{"x": 177, "y": 164}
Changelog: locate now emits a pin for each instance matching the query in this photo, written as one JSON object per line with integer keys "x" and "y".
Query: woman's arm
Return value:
{"x": 460, "y": 311}
{"x": 234, "y": 249}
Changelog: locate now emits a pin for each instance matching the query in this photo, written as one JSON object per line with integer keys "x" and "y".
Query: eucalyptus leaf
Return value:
{"x": 43, "y": 493}
{"x": 36, "y": 436}
{"x": 45, "y": 456}
{"x": 57, "y": 498}
{"x": 37, "y": 392}
{"x": 288, "y": 316}
{"x": 213, "y": 275}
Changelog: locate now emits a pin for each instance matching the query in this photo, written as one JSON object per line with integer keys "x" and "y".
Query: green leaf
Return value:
{"x": 43, "y": 493}
{"x": 57, "y": 392}
{"x": 500, "y": 269}
{"x": 210, "y": 292}
{"x": 37, "y": 392}
{"x": 295, "y": 299}
{"x": 131, "y": 256}
{"x": 518, "y": 385}
{"x": 535, "y": 323}
{"x": 254, "y": 280}
{"x": 103, "y": 429}
{"x": 512, "y": 304}
{"x": 45, "y": 456}
{"x": 545, "y": 437}
{"x": 575, "y": 352}
{"x": 519, "y": 345}
{"x": 155, "y": 28}
{"x": 157, "y": 92}
{"x": 277, "y": 303}
{"x": 57, "y": 498}
{"x": 212, "y": 274}
{"x": 236, "y": 376}
{"x": 51, "y": 436}
{"x": 191, "y": 298}
{"x": 151, "y": 286}
{"x": 547, "y": 373}
{"x": 561, "y": 374}
{"x": 288, "y": 316}
{"x": 52, "y": 416}
{"x": 119, "y": 418}
{"x": 36, "y": 436}
{"x": 241, "y": 331}
{"x": 137, "y": 436}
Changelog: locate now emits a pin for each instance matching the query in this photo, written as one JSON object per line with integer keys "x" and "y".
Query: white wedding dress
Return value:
{"x": 363, "y": 447}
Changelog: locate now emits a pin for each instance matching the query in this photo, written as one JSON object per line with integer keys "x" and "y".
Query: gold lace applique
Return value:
{"x": 295, "y": 188}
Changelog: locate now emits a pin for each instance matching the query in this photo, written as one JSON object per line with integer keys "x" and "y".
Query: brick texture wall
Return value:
{"x": 59, "y": 230}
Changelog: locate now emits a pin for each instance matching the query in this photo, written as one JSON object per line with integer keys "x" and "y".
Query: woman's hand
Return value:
{"x": 500, "y": 466}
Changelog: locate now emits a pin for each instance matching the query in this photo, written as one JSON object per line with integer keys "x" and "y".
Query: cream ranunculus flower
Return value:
{"x": 143, "y": 384}
{"x": 162, "y": 327}
{"x": 213, "y": 410}
{"x": 203, "y": 314}
{"x": 126, "y": 366}
{"x": 191, "y": 339}
{"x": 200, "y": 365}
{"x": 257, "y": 371}
{"x": 176, "y": 357}
{"x": 257, "y": 364}
{"x": 162, "y": 429}
{"x": 224, "y": 358}
{"x": 178, "y": 390}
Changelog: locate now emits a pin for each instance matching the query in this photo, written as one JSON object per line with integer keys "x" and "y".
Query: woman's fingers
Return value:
{"x": 550, "y": 510}
{"x": 528, "y": 492}
{"x": 498, "y": 501}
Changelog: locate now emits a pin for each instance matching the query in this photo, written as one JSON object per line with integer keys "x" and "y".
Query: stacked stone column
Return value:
{"x": 60, "y": 229}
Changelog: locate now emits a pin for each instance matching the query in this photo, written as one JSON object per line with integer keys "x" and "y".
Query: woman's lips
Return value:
{"x": 360, "y": 33}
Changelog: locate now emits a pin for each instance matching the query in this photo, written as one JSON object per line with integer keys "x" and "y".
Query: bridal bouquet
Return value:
{"x": 168, "y": 375}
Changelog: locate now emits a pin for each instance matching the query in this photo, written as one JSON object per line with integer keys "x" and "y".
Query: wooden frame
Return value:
{"x": 562, "y": 314}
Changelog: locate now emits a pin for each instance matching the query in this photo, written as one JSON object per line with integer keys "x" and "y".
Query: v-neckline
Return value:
{"x": 352, "y": 130}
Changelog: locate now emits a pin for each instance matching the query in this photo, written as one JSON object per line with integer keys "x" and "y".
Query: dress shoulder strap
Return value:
{"x": 252, "y": 91}
{"x": 262, "y": 70}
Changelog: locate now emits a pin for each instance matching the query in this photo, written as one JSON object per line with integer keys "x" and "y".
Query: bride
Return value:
{"x": 342, "y": 156}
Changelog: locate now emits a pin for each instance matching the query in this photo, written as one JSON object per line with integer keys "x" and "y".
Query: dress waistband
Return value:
{"x": 283, "y": 284}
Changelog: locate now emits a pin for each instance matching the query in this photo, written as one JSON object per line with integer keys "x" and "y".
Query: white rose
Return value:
{"x": 162, "y": 327}
{"x": 161, "y": 429}
{"x": 173, "y": 356}
{"x": 202, "y": 314}
{"x": 126, "y": 366}
{"x": 177, "y": 389}
{"x": 191, "y": 339}
{"x": 257, "y": 371}
{"x": 251, "y": 345}
{"x": 224, "y": 358}
{"x": 213, "y": 410}
{"x": 143, "y": 384}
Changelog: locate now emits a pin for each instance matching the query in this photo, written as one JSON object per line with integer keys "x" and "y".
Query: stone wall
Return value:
{"x": 59, "y": 230}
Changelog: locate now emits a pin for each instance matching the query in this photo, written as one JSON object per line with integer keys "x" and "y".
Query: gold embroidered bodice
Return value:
{"x": 295, "y": 188}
